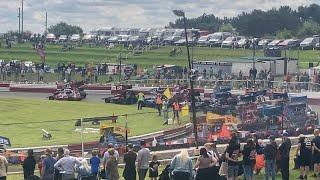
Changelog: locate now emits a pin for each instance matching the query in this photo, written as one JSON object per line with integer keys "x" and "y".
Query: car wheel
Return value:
{"x": 51, "y": 98}
{"x": 107, "y": 100}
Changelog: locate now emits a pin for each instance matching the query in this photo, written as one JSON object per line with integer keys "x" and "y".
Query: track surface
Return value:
{"x": 91, "y": 97}
{"x": 43, "y": 96}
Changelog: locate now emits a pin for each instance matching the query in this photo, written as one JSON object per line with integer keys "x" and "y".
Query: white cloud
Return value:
{"x": 90, "y": 14}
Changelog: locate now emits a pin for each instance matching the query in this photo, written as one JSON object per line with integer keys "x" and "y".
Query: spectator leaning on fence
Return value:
{"x": 67, "y": 165}
{"x": 181, "y": 166}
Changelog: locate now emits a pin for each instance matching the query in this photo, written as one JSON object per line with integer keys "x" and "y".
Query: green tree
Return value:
{"x": 309, "y": 28}
{"x": 63, "y": 28}
{"x": 284, "y": 34}
{"x": 226, "y": 28}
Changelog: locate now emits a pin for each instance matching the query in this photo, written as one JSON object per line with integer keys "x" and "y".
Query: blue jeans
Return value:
{"x": 270, "y": 169}
{"x": 248, "y": 171}
{"x": 107, "y": 174}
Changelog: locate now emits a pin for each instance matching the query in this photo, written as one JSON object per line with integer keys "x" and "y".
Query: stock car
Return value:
{"x": 124, "y": 97}
{"x": 68, "y": 94}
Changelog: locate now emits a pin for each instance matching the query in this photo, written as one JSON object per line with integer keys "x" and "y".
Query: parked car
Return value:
{"x": 230, "y": 41}
{"x": 204, "y": 40}
{"x": 310, "y": 42}
{"x": 275, "y": 43}
{"x": 243, "y": 43}
{"x": 289, "y": 43}
{"x": 263, "y": 43}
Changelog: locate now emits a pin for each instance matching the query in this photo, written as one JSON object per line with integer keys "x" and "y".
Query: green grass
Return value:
{"x": 35, "y": 115}
{"x": 84, "y": 54}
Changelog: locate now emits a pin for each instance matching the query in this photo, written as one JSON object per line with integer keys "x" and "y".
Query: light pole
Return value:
{"x": 180, "y": 13}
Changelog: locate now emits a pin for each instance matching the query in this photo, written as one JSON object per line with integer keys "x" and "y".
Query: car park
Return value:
{"x": 217, "y": 38}
{"x": 289, "y": 43}
{"x": 230, "y": 42}
{"x": 274, "y": 43}
{"x": 63, "y": 38}
{"x": 243, "y": 43}
{"x": 310, "y": 42}
{"x": 75, "y": 38}
{"x": 263, "y": 43}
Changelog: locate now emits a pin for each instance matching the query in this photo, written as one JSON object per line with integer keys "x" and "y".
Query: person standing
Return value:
{"x": 153, "y": 168}
{"x": 3, "y": 166}
{"x": 304, "y": 151}
{"x": 249, "y": 155}
{"x": 95, "y": 163}
{"x": 316, "y": 152}
{"x": 112, "y": 165}
{"x": 106, "y": 157}
{"x": 232, "y": 155}
{"x": 176, "y": 109}
{"x": 48, "y": 163}
{"x": 129, "y": 172}
{"x": 67, "y": 165}
{"x": 143, "y": 160}
{"x": 140, "y": 98}
{"x": 181, "y": 166}
{"x": 203, "y": 165}
{"x": 270, "y": 152}
{"x": 29, "y": 164}
{"x": 159, "y": 103}
{"x": 165, "y": 112}
{"x": 57, "y": 174}
{"x": 284, "y": 150}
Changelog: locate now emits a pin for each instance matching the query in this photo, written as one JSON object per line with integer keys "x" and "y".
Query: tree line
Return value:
{"x": 283, "y": 22}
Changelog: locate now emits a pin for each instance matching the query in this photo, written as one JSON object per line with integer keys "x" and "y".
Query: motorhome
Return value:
{"x": 218, "y": 37}
{"x": 63, "y": 38}
{"x": 310, "y": 42}
{"x": 50, "y": 37}
{"x": 88, "y": 37}
{"x": 75, "y": 38}
{"x": 177, "y": 35}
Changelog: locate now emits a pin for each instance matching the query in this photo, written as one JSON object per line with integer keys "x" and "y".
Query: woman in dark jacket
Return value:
{"x": 29, "y": 165}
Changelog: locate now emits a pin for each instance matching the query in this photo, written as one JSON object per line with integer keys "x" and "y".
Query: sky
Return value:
{"x": 92, "y": 14}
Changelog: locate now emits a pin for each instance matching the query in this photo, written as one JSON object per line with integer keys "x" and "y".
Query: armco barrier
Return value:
{"x": 4, "y": 87}
{"x": 35, "y": 88}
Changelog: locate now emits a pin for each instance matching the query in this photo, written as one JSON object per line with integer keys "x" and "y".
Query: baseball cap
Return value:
{"x": 286, "y": 134}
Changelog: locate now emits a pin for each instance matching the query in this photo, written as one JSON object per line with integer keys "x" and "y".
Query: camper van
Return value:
{"x": 177, "y": 35}
{"x": 230, "y": 41}
{"x": 217, "y": 38}
{"x": 50, "y": 37}
{"x": 310, "y": 42}
{"x": 75, "y": 38}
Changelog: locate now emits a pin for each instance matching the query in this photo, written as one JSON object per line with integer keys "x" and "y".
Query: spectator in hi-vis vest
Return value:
{"x": 159, "y": 103}
{"x": 176, "y": 109}
{"x": 140, "y": 97}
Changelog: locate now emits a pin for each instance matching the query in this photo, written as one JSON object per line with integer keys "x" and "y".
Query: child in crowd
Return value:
{"x": 153, "y": 168}
{"x": 95, "y": 162}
